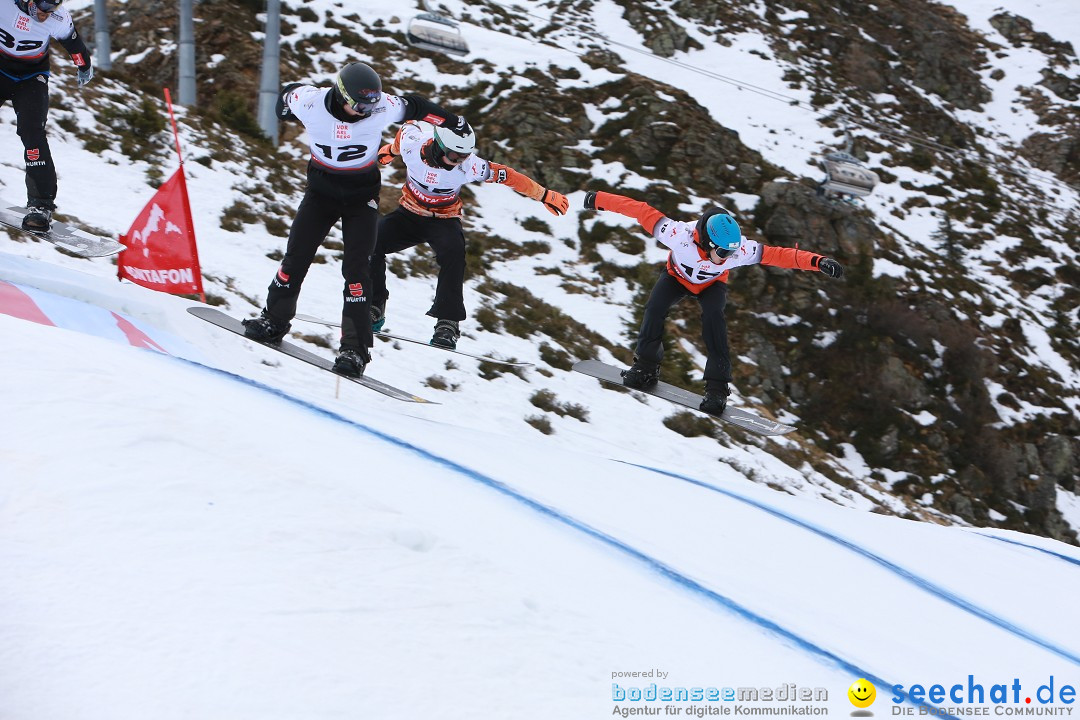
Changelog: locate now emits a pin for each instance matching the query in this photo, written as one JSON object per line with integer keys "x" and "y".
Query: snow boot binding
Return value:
{"x": 714, "y": 402}
{"x": 640, "y": 376}
{"x": 350, "y": 362}
{"x": 38, "y": 216}
{"x": 265, "y": 329}
{"x": 378, "y": 317}
{"x": 446, "y": 334}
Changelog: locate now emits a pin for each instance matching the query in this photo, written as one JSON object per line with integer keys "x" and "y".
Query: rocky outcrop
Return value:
{"x": 1019, "y": 31}
{"x": 898, "y": 42}
{"x": 659, "y": 33}
{"x": 793, "y": 214}
{"x": 541, "y": 137}
{"x": 1056, "y": 153}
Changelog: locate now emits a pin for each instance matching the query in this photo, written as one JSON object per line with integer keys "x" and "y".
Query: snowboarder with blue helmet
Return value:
{"x": 702, "y": 254}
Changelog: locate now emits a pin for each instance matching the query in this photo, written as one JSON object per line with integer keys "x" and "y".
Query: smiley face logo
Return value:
{"x": 861, "y": 693}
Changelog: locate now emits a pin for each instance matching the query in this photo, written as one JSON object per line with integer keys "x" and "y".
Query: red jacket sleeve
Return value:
{"x": 642, "y": 212}
{"x": 790, "y": 258}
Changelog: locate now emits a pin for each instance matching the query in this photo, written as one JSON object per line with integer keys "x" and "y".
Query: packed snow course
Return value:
{"x": 216, "y": 530}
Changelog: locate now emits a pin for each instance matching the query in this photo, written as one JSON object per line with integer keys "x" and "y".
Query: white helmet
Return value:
{"x": 450, "y": 140}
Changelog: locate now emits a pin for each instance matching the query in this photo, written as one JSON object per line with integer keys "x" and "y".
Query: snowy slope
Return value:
{"x": 237, "y": 267}
{"x": 226, "y": 533}
{"x": 218, "y": 540}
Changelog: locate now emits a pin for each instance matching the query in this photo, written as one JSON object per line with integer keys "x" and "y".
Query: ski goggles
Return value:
{"x": 366, "y": 101}
{"x": 46, "y": 5}
{"x": 712, "y": 248}
{"x": 451, "y": 155}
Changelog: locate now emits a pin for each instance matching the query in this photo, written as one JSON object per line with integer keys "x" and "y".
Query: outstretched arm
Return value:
{"x": 794, "y": 259}
{"x": 419, "y": 108}
{"x": 644, "y": 213}
{"x": 555, "y": 202}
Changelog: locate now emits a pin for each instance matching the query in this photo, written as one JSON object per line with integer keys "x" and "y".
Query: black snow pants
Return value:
{"x": 30, "y": 99}
{"x": 403, "y": 229}
{"x": 353, "y": 199}
{"x": 667, "y": 292}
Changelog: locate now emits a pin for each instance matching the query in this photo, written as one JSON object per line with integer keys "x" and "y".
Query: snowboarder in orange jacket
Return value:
{"x": 702, "y": 254}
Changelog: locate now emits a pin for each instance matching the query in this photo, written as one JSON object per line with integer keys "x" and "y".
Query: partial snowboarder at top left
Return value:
{"x": 26, "y": 26}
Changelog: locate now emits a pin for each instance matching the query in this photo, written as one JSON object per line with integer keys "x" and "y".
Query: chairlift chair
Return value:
{"x": 845, "y": 175}
{"x": 432, "y": 31}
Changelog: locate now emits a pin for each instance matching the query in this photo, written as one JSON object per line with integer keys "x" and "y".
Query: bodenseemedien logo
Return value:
{"x": 862, "y": 694}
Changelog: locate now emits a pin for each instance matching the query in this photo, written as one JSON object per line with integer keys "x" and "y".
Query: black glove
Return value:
{"x": 590, "y": 200}
{"x": 831, "y": 268}
{"x": 282, "y": 106}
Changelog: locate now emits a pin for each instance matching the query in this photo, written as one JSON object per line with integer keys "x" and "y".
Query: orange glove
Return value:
{"x": 555, "y": 202}
{"x": 386, "y": 155}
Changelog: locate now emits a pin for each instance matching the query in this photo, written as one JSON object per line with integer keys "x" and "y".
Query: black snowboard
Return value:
{"x": 65, "y": 236}
{"x": 425, "y": 343}
{"x": 230, "y": 323}
{"x": 736, "y": 416}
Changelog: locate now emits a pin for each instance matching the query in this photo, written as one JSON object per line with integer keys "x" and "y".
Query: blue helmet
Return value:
{"x": 718, "y": 231}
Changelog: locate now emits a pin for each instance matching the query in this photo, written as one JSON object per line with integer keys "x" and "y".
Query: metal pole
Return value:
{"x": 187, "y": 53}
{"x": 102, "y": 53}
{"x": 269, "y": 86}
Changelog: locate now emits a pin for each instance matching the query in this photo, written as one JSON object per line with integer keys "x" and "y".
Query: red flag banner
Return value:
{"x": 161, "y": 252}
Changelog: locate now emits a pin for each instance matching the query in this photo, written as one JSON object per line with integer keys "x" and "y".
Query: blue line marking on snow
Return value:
{"x": 911, "y": 577}
{"x": 650, "y": 562}
{"x": 1059, "y": 556}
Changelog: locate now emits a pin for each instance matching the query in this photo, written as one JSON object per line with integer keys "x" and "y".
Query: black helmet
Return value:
{"x": 46, "y": 5}
{"x": 359, "y": 87}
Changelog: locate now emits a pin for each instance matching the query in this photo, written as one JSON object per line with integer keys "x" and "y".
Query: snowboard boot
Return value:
{"x": 350, "y": 362}
{"x": 378, "y": 317}
{"x": 714, "y": 402}
{"x": 446, "y": 334}
{"x": 38, "y": 216}
{"x": 640, "y": 376}
{"x": 265, "y": 329}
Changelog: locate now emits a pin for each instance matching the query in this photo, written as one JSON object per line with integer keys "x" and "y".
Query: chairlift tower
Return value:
{"x": 269, "y": 85}
{"x": 187, "y": 53}
{"x": 102, "y": 52}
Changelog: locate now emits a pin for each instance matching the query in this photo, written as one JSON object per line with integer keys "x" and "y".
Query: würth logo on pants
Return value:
{"x": 281, "y": 279}
{"x": 356, "y": 293}
{"x": 33, "y": 154}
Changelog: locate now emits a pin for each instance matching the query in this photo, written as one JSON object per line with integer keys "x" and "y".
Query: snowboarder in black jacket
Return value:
{"x": 26, "y": 26}
{"x": 344, "y": 124}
